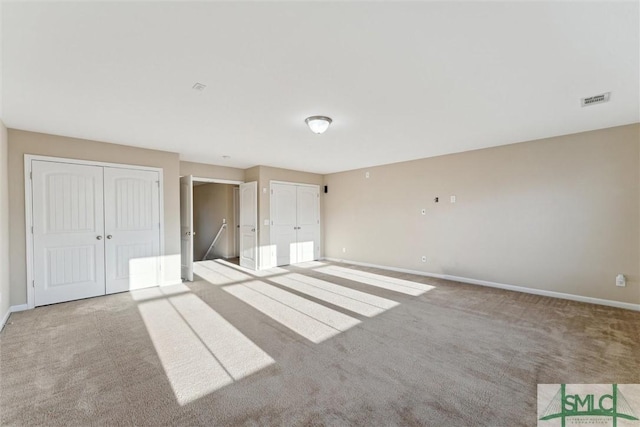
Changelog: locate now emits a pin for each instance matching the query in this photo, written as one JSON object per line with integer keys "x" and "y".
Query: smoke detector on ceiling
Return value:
{"x": 596, "y": 99}
{"x": 199, "y": 87}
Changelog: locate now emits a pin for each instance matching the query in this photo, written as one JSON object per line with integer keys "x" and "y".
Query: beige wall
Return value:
{"x": 202, "y": 170}
{"x": 22, "y": 142}
{"x": 211, "y": 204}
{"x": 559, "y": 214}
{"x": 264, "y": 175}
{"x": 5, "y": 301}
{"x": 252, "y": 174}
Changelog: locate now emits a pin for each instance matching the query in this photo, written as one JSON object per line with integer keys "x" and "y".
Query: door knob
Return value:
{"x": 99, "y": 237}
{"x": 253, "y": 229}
{"x": 109, "y": 236}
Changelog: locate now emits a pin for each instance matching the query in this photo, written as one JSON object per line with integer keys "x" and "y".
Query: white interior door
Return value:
{"x": 68, "y": 232}
{"x": 308, "y": 223}
{"x": 283, "y": 223}
{"x": 236, "y": 222}
{"x": 186, "y": 227}
{"x": 132, "y": 228}
{"x": 249, "y": 225}
{"x": 295, "y": 222}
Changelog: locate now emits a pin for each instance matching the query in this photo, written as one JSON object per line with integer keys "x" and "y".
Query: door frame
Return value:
{"x": 210, "y": 181}
{"x": 215, "y": 180}
{"x": 274, "y": 261}
{"x": 186, "y": 273}
{"x": 28, "y": 207}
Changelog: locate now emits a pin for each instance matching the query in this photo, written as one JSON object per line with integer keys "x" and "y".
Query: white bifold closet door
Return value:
{"x": 295, "y": 222}
{"x": 132, "y": 228}
{"x": 68, "y": 232}
{"x": 95, "y": 230}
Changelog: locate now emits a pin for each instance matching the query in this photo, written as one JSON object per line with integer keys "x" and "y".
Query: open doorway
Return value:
{"x": 215, "y": 221}
{"x": 211, "y": 224}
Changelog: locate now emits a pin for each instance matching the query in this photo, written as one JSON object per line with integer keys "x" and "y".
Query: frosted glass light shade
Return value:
{"x": 318, "y": 124}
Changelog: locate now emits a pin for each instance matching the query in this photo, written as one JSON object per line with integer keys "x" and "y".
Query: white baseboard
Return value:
{"x": 541, "y": 292}
{"x": 5, "y": 318}
{"x": 12, "y": 309}
{"x": 16, "y": 308}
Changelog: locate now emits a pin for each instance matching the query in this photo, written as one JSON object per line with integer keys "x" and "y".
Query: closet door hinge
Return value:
{"x": 33, "y": 283}
{"x": 31, "y": 176}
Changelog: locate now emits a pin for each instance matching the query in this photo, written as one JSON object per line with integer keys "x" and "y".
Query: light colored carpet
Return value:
{"x": 321, "y": 344}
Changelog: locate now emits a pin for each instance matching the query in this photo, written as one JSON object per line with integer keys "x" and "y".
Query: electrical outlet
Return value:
{"x": 366, "y": 174}
{"x": 424, "y": 258}
{"x": 621, "y": 280}
{"x": 344, "y": 250}
{"x": 452, "y": 199}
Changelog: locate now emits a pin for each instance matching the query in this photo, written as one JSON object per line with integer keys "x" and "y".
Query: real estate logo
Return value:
{"x": 576, "y": 405}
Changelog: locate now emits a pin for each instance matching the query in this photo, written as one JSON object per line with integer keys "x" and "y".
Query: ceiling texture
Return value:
{"x": 401, "y": 80}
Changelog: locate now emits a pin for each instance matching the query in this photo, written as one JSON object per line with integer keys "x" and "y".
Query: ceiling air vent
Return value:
{"x": 596, "y": 99}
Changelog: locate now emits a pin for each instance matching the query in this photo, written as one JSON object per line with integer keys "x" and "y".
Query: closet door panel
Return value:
{"x": 132, "y": 228}
{"x": 308, "y": 220}
{"x": 283, "y": 228}
{"x": 68, "y": 232}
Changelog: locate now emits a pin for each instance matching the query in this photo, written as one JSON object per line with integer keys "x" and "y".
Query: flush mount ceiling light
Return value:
{"x": 318, "y": 124}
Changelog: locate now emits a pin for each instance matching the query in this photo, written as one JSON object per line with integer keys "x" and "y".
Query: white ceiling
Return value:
{"x": 402, "y": 80}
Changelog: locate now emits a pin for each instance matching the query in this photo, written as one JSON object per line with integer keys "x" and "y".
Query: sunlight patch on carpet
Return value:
{"x": 378, "y": 280}
{"x": 311, "y": 264}
{"x": 350, "y": 299}
{"x": 212, "y": 273}
{"x": 313, "y": 321}
{"x": 255, "y": 273}
{"x": 199, "y": 350}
